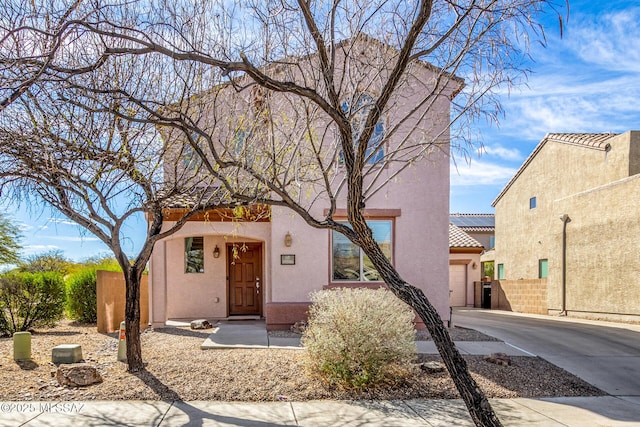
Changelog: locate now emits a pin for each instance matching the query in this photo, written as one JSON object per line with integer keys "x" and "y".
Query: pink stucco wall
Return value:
{"x": 179, "y": 295}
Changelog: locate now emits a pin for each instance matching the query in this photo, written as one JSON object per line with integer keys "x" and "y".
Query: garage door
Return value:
{"x": 457, "y": 285}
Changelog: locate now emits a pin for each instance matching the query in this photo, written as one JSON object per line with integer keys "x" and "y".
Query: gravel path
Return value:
{"x": 178, "y": 370}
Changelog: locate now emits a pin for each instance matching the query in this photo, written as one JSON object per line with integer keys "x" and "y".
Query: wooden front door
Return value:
{"x": 245, "y": 279}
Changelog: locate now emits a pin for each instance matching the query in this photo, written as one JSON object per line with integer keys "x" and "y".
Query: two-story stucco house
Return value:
{"x": 567, "y": 228}
{"x": 215, "y": 268}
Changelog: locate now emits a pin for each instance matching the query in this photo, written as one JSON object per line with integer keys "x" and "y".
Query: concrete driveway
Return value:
{"x": 604, "y": 354}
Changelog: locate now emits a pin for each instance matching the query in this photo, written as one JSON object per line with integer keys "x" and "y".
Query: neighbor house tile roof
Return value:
{"x": 596, "y": 141}
{"x": 459, "y": 239}
{"x": 474, "y": 222}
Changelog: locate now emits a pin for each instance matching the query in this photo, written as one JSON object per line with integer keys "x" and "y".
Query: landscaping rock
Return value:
{"x": 498, "y": 359}
{"x": 432, "y": 367}
{"x": 299, "y": 327}
{"x": 77, "y": 375}
{"x": 201, "y": 324}
{"x": 66, "y": 353}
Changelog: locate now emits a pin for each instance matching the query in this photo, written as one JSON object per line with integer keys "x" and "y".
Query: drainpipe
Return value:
{"x": 565, "y": 219}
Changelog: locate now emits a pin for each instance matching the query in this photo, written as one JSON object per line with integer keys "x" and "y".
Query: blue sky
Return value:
{"x": 586, "y": 81}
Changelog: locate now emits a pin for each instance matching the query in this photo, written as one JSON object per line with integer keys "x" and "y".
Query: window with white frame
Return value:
{"x": 350, "y": 263}
{"x": 194, "y": 255}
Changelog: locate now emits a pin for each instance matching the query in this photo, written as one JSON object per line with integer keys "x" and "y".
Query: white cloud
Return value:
{"x": 558, "y": 104}
{"x": 31, "y": 249}
{"x": 610, "y": 40}
{"x": 24, "y": 227}
{"x": 481, "y": 173}
{"x": 72, "y": 238}
{"x": 62, "y": 221}
{"x": 497, "y": 150}
{"x": 585, "y": 82}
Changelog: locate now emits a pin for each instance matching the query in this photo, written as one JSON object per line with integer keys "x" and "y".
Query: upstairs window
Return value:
{"x": 190, "y": 159}
{"x": 532, "y": 203}
{"x": 357, "y": 111}
{"x": 350, "y": 263}
{"x": 194, "y": 255}
{"x": 501, "y": 271}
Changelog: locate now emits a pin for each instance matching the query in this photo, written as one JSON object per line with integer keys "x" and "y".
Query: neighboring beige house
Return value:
{"x": 464, "y": 267}
{"x": 567, "y": 228}
{"x": 214, "y": 268}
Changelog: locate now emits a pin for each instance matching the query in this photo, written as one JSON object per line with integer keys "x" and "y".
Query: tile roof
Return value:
{"x": 475, "y": 222}
{"x": 596, "y": 141}
{"x": 459, "y": 239}
{"x": 593, "y": 140}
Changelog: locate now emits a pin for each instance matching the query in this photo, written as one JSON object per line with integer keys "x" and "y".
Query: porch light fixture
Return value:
{"x": 287, "y": 239}
{"x": 216, "y": 252}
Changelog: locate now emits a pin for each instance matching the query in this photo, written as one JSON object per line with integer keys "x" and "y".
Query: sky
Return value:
{"x": 588, "y": 80}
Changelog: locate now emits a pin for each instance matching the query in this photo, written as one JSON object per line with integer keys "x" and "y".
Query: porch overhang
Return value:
{"x": 252, "y": 213}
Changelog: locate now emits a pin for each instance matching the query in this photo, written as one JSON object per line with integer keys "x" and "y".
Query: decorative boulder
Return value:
{"x": 201, "y": 324}
{"x": 299, "y": 327}
{"x": 432, "y": 367}
{"x": 77, "y": 375}
{"x": 498, "y": 359}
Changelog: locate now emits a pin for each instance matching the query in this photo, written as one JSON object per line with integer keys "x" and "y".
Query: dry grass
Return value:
{"x": 178, "y": 370}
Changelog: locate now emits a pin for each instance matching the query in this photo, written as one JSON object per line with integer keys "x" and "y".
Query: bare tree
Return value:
{"x": 71, "y": 148}
{"x": 299, "y": 124}
{"x": 34, "y": 41}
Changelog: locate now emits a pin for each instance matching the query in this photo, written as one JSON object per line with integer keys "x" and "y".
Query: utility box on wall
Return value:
{"x": 110, "y": 297}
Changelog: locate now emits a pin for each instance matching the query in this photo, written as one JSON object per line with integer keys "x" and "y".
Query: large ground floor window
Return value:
{"x": 350, "y": 263}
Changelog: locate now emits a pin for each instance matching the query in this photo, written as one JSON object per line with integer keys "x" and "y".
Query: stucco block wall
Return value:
{"x": 110, "y": 298}
{"x": 523, "y": 296}
{"x": 603, "y": 272}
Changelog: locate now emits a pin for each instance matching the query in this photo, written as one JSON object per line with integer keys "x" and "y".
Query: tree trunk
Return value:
{"x": 479, "y": 407}
{"x": 132, "y": 320}
{"x": 474, "y": 398}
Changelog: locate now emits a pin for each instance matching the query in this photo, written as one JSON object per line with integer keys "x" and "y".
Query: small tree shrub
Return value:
{"x": 359, "y": 338}
{"x": 29, "y": 300}
{"x": 81, "y": 296}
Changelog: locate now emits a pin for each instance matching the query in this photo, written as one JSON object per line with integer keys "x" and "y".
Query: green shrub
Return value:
{"x": 29, "y": 300}
{"x": 81, "y": 296}
{"x": 359, "y": 338}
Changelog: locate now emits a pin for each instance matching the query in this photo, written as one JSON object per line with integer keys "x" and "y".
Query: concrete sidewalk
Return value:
{"x": 253, "y": 334}
{"x": 574, "y": 412}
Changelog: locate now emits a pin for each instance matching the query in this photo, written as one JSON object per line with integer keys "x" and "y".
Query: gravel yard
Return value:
{"x": 178, "y": 370}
